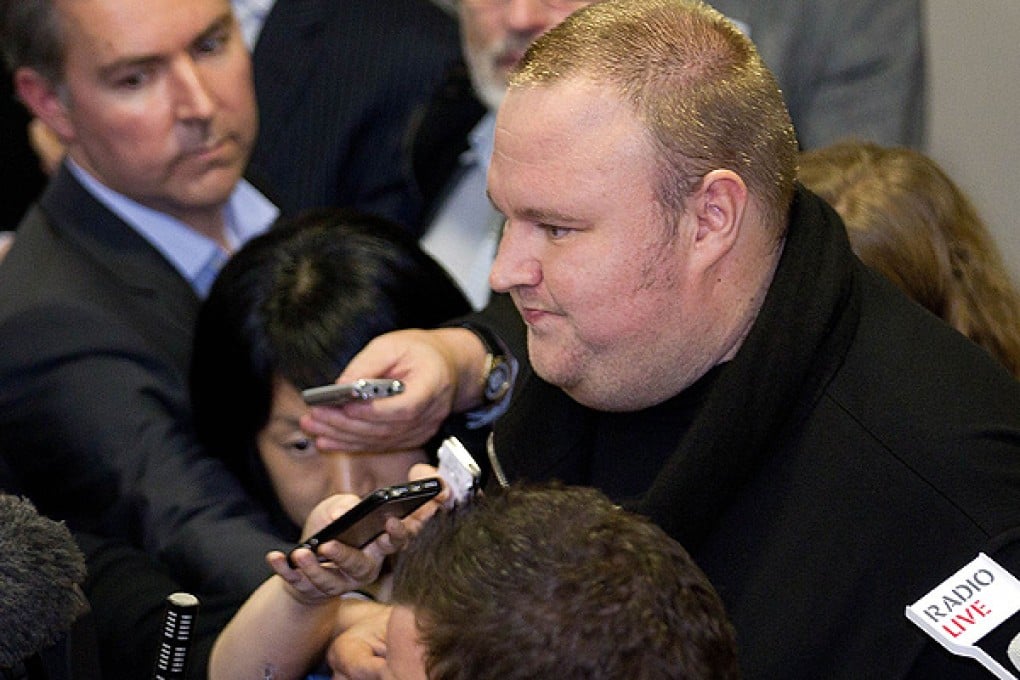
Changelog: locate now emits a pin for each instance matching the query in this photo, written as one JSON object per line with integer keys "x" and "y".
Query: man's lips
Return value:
{"x": 532, "y": 315}
{"x": 208, "y": 150}
{"x": 508, "y": 60}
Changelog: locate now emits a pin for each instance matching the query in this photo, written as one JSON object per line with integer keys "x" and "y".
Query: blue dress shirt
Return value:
{"x": 197, "y": 257}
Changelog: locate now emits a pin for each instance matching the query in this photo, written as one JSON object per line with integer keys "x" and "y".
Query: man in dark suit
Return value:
{"x": 336, "y": 84}
{"x": 154, "y": 104}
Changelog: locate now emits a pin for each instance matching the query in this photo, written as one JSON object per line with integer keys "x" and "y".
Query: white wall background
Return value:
{"x": 974, "y": 108}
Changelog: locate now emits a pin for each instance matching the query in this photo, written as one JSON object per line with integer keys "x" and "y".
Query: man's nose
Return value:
{"x": 347, "y": 475}
{"x": 533, "y": 17}
{"x": 194, "y": 99}
{"x": 514, "y": 264}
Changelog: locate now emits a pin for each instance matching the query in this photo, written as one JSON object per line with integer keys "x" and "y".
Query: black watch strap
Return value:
{"x": 497, "y": 375}
{"x": 493, "y": 345}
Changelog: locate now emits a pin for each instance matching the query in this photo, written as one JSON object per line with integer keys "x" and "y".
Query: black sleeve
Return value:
{"x": 127, "y": 590}
{"x": 97, "y": 431}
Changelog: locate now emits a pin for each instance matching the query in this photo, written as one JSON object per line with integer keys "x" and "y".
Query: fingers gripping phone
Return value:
{"x": 363, "y": 523}
{"x": 362, "y": 389}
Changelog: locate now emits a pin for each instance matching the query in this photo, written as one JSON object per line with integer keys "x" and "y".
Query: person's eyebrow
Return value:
{"x": 289, "y": 421}
{"x": 218, "y": 25}
{"x": 108, "y": 71}
{"x": 546, "y": 216}
{"x": 541, "y": 215}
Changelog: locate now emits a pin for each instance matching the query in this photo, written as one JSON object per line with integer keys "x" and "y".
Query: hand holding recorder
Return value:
{"x": 366, "y": 521}
{"x": 363, "y": 523}
{"x": 344, "y": 554}
{"x": 441, "y": 371}
{"x": 362, "y": 389}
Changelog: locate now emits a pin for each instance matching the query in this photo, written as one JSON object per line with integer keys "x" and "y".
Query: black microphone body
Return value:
{"x": 178, "y": 627}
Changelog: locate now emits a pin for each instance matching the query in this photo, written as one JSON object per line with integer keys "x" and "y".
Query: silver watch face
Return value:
{"x": 497, "y": 382}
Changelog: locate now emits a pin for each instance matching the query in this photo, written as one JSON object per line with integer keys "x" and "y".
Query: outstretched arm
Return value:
{"x": 283, "y": 629}
{"x": 442, "y": 373}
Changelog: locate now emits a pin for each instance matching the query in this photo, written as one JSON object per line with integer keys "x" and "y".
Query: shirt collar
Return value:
{"x": 251, "y": 15}
{"x": 480, "y": 140}
{"x": 196, "y": 257}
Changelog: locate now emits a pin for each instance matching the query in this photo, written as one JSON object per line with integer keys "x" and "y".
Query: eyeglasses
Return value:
{"x": 551, "y": 4}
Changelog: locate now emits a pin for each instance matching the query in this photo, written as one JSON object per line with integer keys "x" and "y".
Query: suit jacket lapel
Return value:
{"x": 440, "y": 136}
{"x": 160, "y": 298}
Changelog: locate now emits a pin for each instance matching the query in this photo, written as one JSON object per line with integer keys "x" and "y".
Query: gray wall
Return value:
{"x": 974, "y": 122}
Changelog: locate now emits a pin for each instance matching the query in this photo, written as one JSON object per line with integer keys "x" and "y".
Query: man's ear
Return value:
{"x": 43, "y": 99}
{"x": 719, "y": 205}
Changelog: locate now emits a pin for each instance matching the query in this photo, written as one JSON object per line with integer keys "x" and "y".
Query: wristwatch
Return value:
{"x": 495, "y": 377}
{"x": 497, "y": 372}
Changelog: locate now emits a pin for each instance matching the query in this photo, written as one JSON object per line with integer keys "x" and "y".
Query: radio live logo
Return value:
{"x": 961, "y": 607}
{"x": 967, "y": 606}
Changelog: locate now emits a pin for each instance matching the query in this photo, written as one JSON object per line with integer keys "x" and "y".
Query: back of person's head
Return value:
{"x": 550, "y": 582}
{"x": 30, "y": 36}
{"x": 297, "y": 303}
{"x": 41, "y": 571}
{"x": 698, "y": 84}
{"x": 909, "y": 221}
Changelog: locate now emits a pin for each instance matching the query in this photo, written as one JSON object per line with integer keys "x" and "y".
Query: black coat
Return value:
{"x": 880, "y": 475}
{"x": 95, "y": 424}
{"x": 336, "y": 86}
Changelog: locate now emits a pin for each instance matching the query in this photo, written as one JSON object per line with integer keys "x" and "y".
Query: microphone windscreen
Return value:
{"x": 41, "y": 572}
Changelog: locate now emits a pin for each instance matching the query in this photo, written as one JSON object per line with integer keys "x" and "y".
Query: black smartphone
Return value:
{"x": 363, "y": 523}
{"x": 364, "y": 388}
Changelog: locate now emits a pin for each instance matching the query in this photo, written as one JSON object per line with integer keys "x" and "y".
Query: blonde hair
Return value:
{"x": 908, "y": 220}
{"x": 696, "y": 82}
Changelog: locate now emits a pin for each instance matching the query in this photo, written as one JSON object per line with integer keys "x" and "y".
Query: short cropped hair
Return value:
{"x": 32, "y": 36}
{"x": 911, "y": 222}
{"x": 297, "y": 303}
{"x": 695, "y": 81}
{"x": 548, "y": 582}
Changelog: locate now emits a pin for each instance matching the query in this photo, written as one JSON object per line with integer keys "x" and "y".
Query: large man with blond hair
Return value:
{"x": 699, "y": 342}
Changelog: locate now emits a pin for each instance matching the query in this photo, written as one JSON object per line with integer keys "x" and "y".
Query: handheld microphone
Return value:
{"x": 459, "y": 470}
{"x": 178, "y": 625}
{"x": 975, "y": 613}
{"x": 41, "y": 570}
